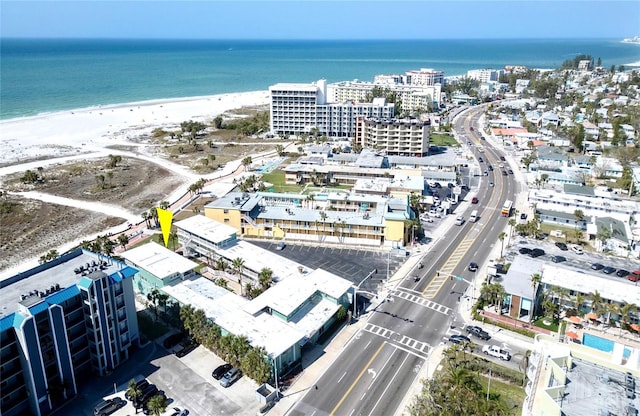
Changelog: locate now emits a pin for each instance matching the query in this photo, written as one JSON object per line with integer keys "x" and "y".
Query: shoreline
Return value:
{"x": 70, "y": 132}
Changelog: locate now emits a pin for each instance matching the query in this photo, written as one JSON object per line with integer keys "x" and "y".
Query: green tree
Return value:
{"x": 238, "y": 267}
{"x": 157, "y": 298}
{"x": 280, "y": 149}
{"x": 501, "y": 237}
{"x": 265, "y": 278}
{"x": 597, "y": 302}
{"x": 29, "y": 177}
{"x": 246, "y": 162}
{"x": 536, "y": 279}
{"x": 134, "y": 392}
{"x": 255, "y": 364}
{"x": 157, "y": 404}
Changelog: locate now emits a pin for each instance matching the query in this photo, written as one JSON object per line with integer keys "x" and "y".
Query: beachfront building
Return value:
{"x": 63, "y": 322}
{"x": 157, "y": 266}
{"x": 401, "y": 137}
{"x": 484, "y": 75}
{"x": 415, "y": 99}
{"x": 304, "y": 109}
{"x": 339, "y": 218}
{"x": 577, "y": 378}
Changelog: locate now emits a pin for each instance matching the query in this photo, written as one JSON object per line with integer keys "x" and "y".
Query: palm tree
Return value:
{"x": 238, "y": 267}
{"x": 578, "y": 302}
{"x": 157, "y": 404}
{"x": 501, "y": 237}
{"x": 536, "y": 278}
{"x": 579, "y": 216}
{"x": 626, "y": 309}
{"x": 123, "y": 240}
{"x": 164, "y": 205}
{"x": 221, "y": 264}
{"x": 512, "y": 224}
{"x": 173, "y": 236}
{"x": 597, "y": 302}
{"x": 145, "y": 217}
{"x": 265, "y": 278}
{"x": 323, "y": 217}
{"x": 133, "y": 392}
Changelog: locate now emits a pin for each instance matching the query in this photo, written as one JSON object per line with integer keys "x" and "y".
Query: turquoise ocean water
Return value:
{"x": 39, "y": 76}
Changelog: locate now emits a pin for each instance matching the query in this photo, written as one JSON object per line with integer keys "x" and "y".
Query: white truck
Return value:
{"x": 496, "y": 351}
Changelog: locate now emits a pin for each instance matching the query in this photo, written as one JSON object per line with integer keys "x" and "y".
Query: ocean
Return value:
{"x": 46, "y": 75}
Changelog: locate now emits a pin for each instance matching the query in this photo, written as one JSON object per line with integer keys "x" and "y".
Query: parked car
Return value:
{"x": 510, "y": 171}
{"x": 230, "y": 377}
{"x": 562, "y": 246}
{"x": 173, "y": 340}
{"x": 597, "y": 266}
{"x": 577, "y": 249}
{"x": 477, "y": 332}
{"x": 106, "y": 407}
{"x": 608, "y": 270}
{"x": 459, "y": 339}
{"x": 187, "y": 348}
{"x": 179, "y": 412}
{"x": 496, "y": 351}
{"x": 221, "y": 371}
{"x": 558, "y": 259}
{"x": 622, "y": 273}
{"x": 634, "y": 276}
{"x": 536, "y": 252}
{"x": 473, "y": 266}
{"x": 142, "y": 384}
{"x": 280, "y": 246}
{"x": 524, "y": 250}
{"x": 427, "y": 219}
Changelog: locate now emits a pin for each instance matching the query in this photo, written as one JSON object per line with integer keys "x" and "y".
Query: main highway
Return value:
{"x": 377, "y": 368}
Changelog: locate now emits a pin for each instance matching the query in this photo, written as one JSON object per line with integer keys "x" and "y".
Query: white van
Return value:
{"x": 474, "y": 216}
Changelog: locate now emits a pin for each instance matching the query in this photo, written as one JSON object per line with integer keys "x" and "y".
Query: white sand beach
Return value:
{"x": 84, "y": 130}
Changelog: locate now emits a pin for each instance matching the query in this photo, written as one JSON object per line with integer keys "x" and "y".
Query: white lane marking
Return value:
{"x": 388, "y": 385}
{"x": 365, "y": 347}
{"x": 342, "y": 376}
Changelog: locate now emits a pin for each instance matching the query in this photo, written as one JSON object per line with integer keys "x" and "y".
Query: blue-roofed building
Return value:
{"x": 62, "y": 322}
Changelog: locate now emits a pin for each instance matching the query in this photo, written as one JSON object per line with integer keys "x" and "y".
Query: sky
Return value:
{"x": 320, "y": 19}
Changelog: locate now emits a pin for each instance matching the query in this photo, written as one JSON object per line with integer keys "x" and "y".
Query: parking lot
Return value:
{"x": 186, "y": 382}
{"x": 349, "y": 263}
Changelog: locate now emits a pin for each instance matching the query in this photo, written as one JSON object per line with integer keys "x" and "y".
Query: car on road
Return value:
{"x": 107, "y": 407}
{"x": 524, "y": 250}
{"x": 510, "y": 171}
{"x": 474, "y": 200}
{"x": 536, "y": 252}
{"x": 622, "y": 273}
{"x": 481, "y": 160}
{"x": 503, "y": 158}
{"x": 173, "y": 340}
{"x": 577, "y": 249}
{"x": 608, "y": 270}
{"x": 490, "y": 168}
{"x": 477, "y": 332}
{"x": 459, "y": 339}
{"x": 230, "y": 377}
{"x": 491, "y": 184}
{"x": 473, "y": 266}
{"x": 562, "y": 246}
{"x": 496, "y": 351}
{"x": 221, "y": 370}
{"x": 597, "y": 266}
{"x": 459, "y": 220}
{"x": 558, "y": 259}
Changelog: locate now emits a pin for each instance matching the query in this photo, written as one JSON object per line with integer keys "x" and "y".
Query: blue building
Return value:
{"x": 61, "y": 322}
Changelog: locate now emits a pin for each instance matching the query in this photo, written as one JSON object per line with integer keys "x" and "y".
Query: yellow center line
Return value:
{"x": 356, "y": 380}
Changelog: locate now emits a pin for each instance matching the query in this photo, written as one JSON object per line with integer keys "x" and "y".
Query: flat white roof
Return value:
{"x": 158, "y": 260}
{"x": 616, "y": 290}
{"x": 225, "y": 309}
{"x": 256, "y": 258}
{"x": 206, "y": 228}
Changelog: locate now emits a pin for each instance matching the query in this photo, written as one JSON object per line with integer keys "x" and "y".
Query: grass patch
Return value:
{"x": 276, "y": 178}
{"x": 512, "y": 395}
{"x": 553, "y": 327}
{"x": 151, "y": 329}
{"x": 440, "y": 139}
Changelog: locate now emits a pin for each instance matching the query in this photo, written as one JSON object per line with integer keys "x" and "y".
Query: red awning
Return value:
{"x": 572, "y": 334}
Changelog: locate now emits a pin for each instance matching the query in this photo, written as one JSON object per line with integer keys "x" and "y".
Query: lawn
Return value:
{"x": 277, "y": 179}
{"x": 512, "y": 395}
{"x": 150, "y": 329}
{"x": 439, "y": 139}
{"x": 553, "y": 326}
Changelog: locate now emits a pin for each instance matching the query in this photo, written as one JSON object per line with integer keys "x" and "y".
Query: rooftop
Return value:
{"x": 158, "y": 260}
{"x": 49, "y": 278}
{"x": 206, "y": 228}
{"x": 242, "y": 201}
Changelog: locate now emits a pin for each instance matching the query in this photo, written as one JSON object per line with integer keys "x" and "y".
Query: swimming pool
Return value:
{"x": 602, "y": 344}
{"x": 598, "y": 343}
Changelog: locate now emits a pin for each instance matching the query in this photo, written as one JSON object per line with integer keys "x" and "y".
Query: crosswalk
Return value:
{"x": 421, "y": 301}
{"x": 416, "y": 347}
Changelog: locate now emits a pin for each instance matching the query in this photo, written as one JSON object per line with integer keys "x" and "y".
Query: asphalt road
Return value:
{"x": 377, "y": 368}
